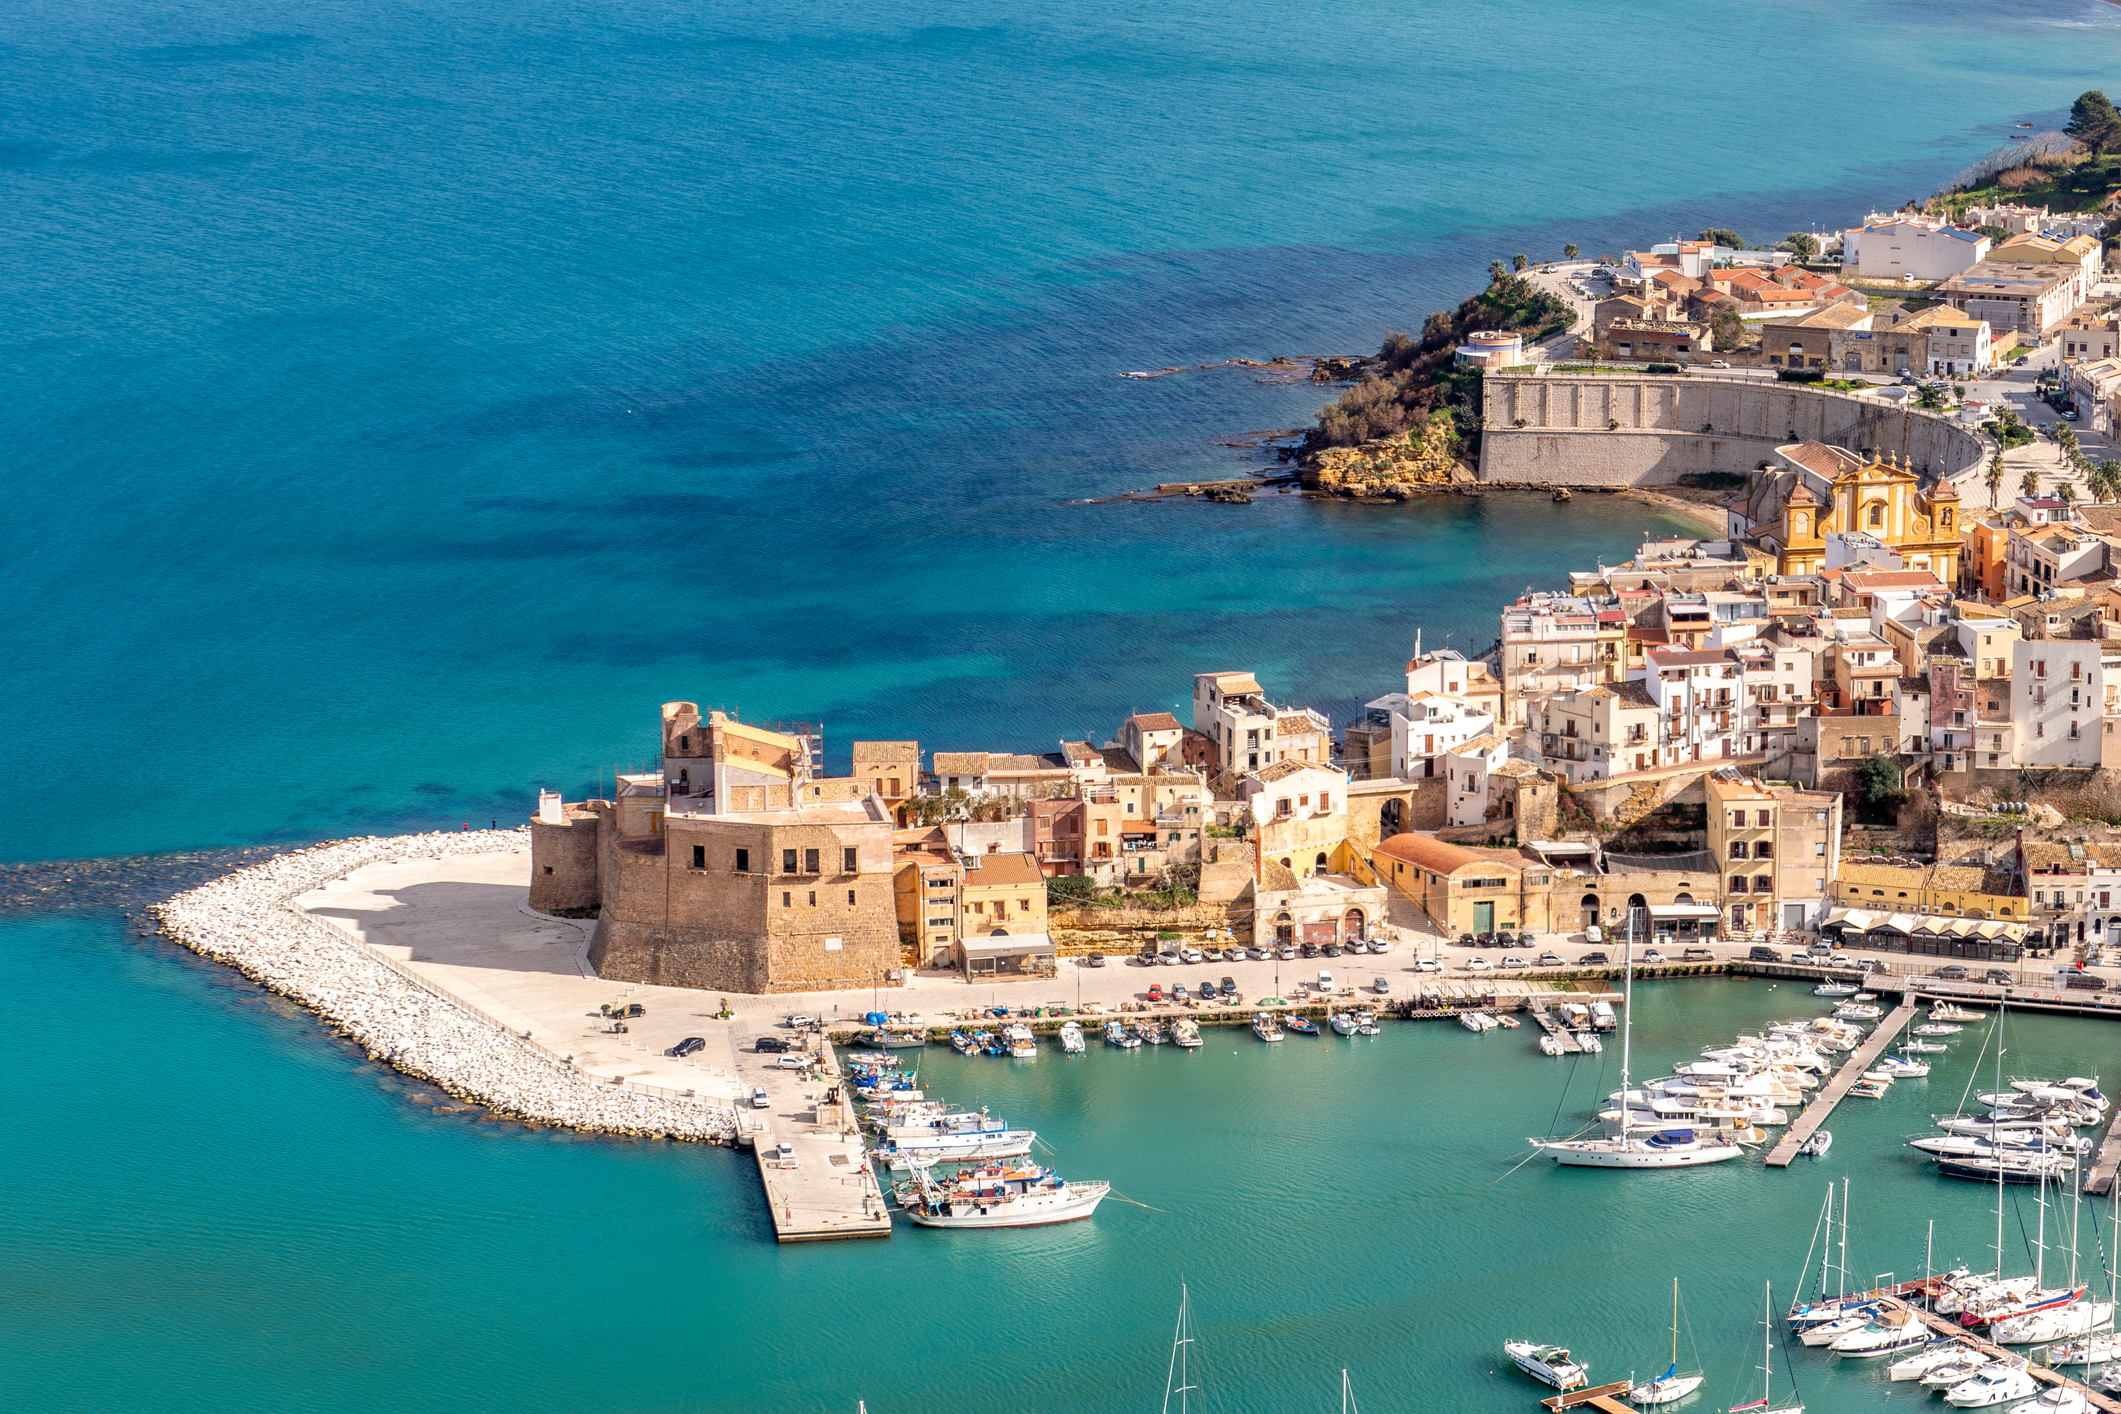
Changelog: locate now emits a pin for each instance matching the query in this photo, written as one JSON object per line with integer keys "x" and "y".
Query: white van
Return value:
{"x": 1325, "y": 981}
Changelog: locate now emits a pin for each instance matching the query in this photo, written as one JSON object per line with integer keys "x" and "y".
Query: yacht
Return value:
{"x": 1071, "y": 1036}
{"x": 1893, "y": 1333}
{"x": 2055, "y": 1399}
{"x": 998, "y": 1196}
{"x": 1548, "y": 1364}
{"x": 1993, "y": 1384}
{"x": 2079, "y": 1318}
{"x": 2106, "y": 1345}
{"x": 1901, "y": 1068}
{"x": 1934, "y": 1356}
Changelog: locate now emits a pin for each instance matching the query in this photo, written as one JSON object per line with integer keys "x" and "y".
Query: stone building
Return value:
{"x": 735, "y": 869}
{"x": 1790, "y": 509}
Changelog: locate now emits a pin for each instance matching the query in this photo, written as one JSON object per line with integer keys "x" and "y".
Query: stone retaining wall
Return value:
{"x": 1648, "y": 430}
{"x": 249, "y": 920}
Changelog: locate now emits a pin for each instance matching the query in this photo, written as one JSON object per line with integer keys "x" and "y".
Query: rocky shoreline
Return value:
{"x": 249, "y": 921}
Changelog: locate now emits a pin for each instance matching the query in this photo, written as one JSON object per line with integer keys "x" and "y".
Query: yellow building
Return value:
{"x": 1955, "y": 889}
{"x": 1789, "y": 510}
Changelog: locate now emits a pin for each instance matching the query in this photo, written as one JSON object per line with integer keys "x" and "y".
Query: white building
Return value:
{"x": 1697, "y": 699}
{"x": 1907, "y": 247}
{"x": 1467, "y": 768}
{"x": 2057, "y": 701}
{"x": 1253, "y": 733}
{"x": 1426, "y": 725}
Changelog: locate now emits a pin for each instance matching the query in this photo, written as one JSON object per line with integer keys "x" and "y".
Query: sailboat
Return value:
{"x": 1765, "y": 1404}
{"x": 1671, "y": 1385}
{"x": 1662, "y": 1148}
{"x": 1177, "y": 1381}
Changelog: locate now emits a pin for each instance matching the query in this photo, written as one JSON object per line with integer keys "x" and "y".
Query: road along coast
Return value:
{"x": 250, "y": 920}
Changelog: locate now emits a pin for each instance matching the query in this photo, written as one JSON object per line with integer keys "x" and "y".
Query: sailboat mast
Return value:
{"x": 2040, "y": 1242}
{"x": 1841, "y": 1274}
{"x": 1826, "y": 1253}
{"x": 1994, "y": 1152}
{"x": 1767, "y": 1342}
{"x": 1627, "y": 1026}
{"x": 1675, "y": 1323}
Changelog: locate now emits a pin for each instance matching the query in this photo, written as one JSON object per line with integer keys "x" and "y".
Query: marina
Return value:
{"x": 1837, "y": 1089}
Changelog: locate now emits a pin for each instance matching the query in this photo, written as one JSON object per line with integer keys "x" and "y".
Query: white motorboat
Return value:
{"x": 998, "y": 1196}
{"x": 1071, "y": 1036}
{"x": 1932, "y": 1028}
{"x": 1893, "y": 1333}
{"x": 1589, "y": 1042}
{"x": 1994, "y": 1384}
{"x": 1924, "y": 1048}
{"x": 1857, "y": 1011}
{"x": 1901, "y": 1068}
{"x": 1945, "y": 1377}
{"x": 1475, "y": 1021}
{"x": 1945, "y": 1011}
{"x": 1833, "y": 1330}
{"x": 1185, "y": 1033}
{"x": 1818, "y": 1144}
{"x": 1835, "y": 989}
{"x": 1548, "y": 1364}
{"x": 1551, "y": 1045}
{"x": 2055, "y": 1399}
{"x": 1022, "y": 1044}
{"x": 1934, "y": 1356}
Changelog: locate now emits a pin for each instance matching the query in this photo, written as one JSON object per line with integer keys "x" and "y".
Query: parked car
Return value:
{"x": 1841, "y": 959}
{"x": 686, "y": 1047}
{"x": 1550, "y": 959}
{"x": 1309, "y": 950}
{"x": 1096, "y": 959}
{"x": 1178, "y": 993}
{"x": 1380, "y": 986}
{"x": 1209, "y": 991}
{"x": 1286, "y": 952}
{"x": 1763, "y": 955}
{"x": 1513, "y": 960}
{"x": 1872, "y": 964}
{"x": 1156, "y": 991}
{"x": 793, "y": 1062}
{"x": 798, "y": 1021}
{"x": 2000, "y": 977}
{"x": 1592, "y": 936}
{"x": 1325, "y": 980}
{"x": 1719, "y": 363}
{"x": 1477, "y": 963}
{"x": 1211, "y": 954}
{"x": 1331, "y": 949}
{"x": 1256, "y": 954}
{"x": 1190, "y": 954}
{"x": 1953, "y": 973}
{"x": 1148, "y": 956}
{"x": 1229, "y": 986}
{"x": 1652, "y": 955}
{"x": 1465, "y": 940}
{"x": 1699, "y": 955}
{"x": 2084, "y": 982}
{"x": 768, "y": 1045}
{"x": 759, "y": 1099}
{"x": 1594, "y": 959}
{"x": 1169, "y": 958}
{"x": 1427, "y": 964}
{"x": 1505, "y": 940}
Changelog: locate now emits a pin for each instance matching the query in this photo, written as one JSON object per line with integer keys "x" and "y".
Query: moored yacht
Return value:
{"x": 998, "y": 1196}
{"x": 1071, "y": 1037}
{"x": 1549, "y": 1364}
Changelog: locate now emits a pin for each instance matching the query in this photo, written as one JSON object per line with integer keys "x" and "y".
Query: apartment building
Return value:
{"x": 1552, "y": 644}
{"x": 2058, "y": 707}
{"x": 1778, "y": 847}
{"x": 1250, "y": 732}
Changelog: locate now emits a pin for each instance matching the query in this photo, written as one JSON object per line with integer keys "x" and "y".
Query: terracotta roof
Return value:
{"x": 1155, "y": 722}
{"x": 1282, "y": 770}
{"x": 961, "y": 763}
{"x": 1435, "y": 855}
{"x": 1875, "y": 580}
{"x": 1006, "y": 870}
{"x": 1820, "y": 459}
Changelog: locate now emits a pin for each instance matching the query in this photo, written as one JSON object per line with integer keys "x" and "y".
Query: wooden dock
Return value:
{"x": 812, "y": 1163}
{"x": 1945, "y": 1325}
{"x": 2101, "y": 1178}
{"x": 1836, "y": 1089}
{"x": 1553, "y": 1027}
{"x": 1605, "y": 1398}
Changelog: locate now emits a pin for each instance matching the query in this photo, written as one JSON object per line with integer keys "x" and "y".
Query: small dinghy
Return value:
{"x": 1301, "y": 1025}
{"x": 1869, "y": 1089}
{"x": 1818, "y": 1144}
{"x": 1936, "y": 1028}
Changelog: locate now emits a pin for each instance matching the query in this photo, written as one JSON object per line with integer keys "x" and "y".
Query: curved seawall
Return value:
{"x": 1633, "y": 429}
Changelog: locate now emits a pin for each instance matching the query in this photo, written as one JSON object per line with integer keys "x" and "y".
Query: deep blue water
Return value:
{"x": 402, "y": 400}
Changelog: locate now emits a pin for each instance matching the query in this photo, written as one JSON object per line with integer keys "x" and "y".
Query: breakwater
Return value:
{"x": 248, "y": 920}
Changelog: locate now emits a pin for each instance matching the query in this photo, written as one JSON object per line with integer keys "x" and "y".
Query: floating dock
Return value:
{"x": 1553, "y": 1027}
{"x": 2101, "y": 1178}
{"x": 1835, "y": 1090}
{"x": 1606, "y": 1398}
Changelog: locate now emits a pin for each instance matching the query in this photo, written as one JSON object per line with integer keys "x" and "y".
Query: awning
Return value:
{"x": 1015, "y": 945}
{"x": 1684, "y": 910}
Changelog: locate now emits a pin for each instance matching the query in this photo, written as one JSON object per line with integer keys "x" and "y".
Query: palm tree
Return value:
{"x": 1994, "y": 478}
{"x": 2067, "y": 492}
{"x": 1496, "y": 272}
{"x": 1518, "y": 263}
{"x": 2066, "y": 439}
{"x": 2029, "y": 482}
{"x": 2110, "y": 474}
{"x": 1569, "y": 252}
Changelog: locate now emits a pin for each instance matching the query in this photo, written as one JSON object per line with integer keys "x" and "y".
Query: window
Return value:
{"x": 813, "y": 898}
{"x": 1763, "y": 883}
{"x": 979, "y": 908}
{"x": 849, "y": 862}
{"x": 1737, "y": 883}
{"x": 1738, "y": 849}
{"x": 699, "y": 856}
{"x": 787, "y": 861}
{"x": 1023, "y": 905}
{"x": 743, "y": 861}
{"x": 1819, "y": 850}
{"x": 850, "y": 897}
{"x": 684, "y": 743}
{"x": 1101, "y": 827}
{"x": 1763, "y": 849}
{"x": 787, "y": 899}
{"x": 810, "y": 861}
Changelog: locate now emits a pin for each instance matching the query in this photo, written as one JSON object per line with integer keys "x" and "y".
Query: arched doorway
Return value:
{"x": 1320, "y": 864}
{"x": 684, "y": 781}
{"x": 1284, "y": 928}
{"x": 1590, "y": 910}
{"x": 1637, "y": 901}
{"x": 1351, "y": 926}
{"x": 1388, "y": 818}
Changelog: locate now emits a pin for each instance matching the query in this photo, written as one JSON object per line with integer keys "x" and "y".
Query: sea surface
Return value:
{"x": 402, "y": 400}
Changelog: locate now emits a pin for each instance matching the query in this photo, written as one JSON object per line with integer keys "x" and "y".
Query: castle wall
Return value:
{"x": 1645, "y": 430}
{"x": 563, "y": 861}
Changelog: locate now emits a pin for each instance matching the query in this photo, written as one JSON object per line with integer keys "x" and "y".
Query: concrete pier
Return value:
{"x": 819, "y": 1187}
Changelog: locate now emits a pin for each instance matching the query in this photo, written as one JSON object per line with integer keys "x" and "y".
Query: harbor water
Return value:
{"x": 312, "y": 1230}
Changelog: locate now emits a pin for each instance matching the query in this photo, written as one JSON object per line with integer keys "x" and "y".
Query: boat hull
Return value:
{"x": 1073, "y": 1208}
{"x": 1580, "y": 1155}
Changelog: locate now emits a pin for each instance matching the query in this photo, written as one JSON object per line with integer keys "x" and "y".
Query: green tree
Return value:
{"x": 2110, "y": 475}
{"x": 2067, "y": 491}
{"x": 2029, "y": 482}
{"x": 1518, "y": 263}
{"x": 1877, "y": 782}
{"x": 1496, "y": 273}
{"x": 2093, "y": 122}
{"x": 1569, "y": 252}
{"x": 1727, "y": 331}
{"x": 1802, "y": 244}
{"x": 1718, "y": 235}
{"x": 1994, "y": 478}
{"x": 2066, "y": 439}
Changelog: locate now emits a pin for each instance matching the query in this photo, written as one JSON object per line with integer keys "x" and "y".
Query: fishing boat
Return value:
{"x": 1022, "y": 1044}
{"x": 1301, "y": 1025}
{"x": 1116, "y": 1034}
{"x": 1185, "y": 1033}
{"x": 887, "y": 1039}
{"x": 961, "y": 1043}
{"x": 1152, "y": 1032}
{"x": 1506, "y": 1022}
{"x": 1263, "y": 1027}
{"x": 1071, "y": 1035}
{"x": 998, "y": 1196}
{"x": 1670, "y": 1386}
{"x": 1631, "y": 1148}
{"x": 871, "y": 1060}
{"x": 1766, "y": 1403}
{"x": 1342, "y": 1023}
{"x": 1366, "y": 1023}
{"x": 896, "y": 1153}
{"x": 1818, "y": 1144}
{"x": 1931, "y": 1028}
{"x": 1548, "y": 1364}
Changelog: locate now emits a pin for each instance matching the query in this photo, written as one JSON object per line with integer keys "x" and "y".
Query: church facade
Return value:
{"x": 1814, "y": 491}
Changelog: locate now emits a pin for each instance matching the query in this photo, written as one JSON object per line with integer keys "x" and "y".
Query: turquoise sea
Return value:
{"x": 401, "y": 400}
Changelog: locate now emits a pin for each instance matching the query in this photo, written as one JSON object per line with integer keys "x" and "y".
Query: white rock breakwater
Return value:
{"x": 249, "y": 921}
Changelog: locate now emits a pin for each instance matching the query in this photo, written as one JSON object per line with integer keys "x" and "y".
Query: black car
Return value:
{"x": 1229, "y": 986}
{"x": 1331, "y": 949}
{"x": 767, "y": 1045}
{"x": 1465, "y": 940}
{"x": 1763, "y": 955}
{"x": 686, "y": 1047}
{"x": 1954, "y": 973}
{"x": 1207, "y": 991}
{"x": 1309, "y": 950}
{"x": 1592, "y": 959}
{"x": 1504, "y": 940}
{"x": 631, "y": 1009}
